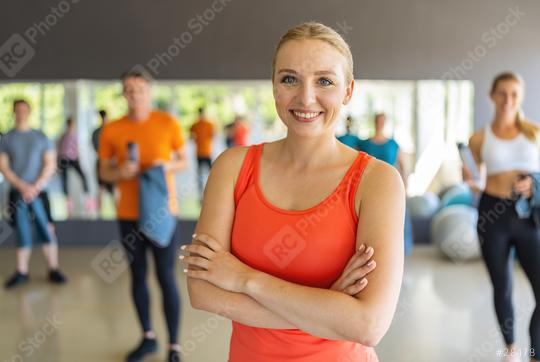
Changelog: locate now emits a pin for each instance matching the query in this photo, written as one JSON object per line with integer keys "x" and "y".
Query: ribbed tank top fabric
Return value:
{"x": 501, "y": 155}
{"x": 309, "y": 247}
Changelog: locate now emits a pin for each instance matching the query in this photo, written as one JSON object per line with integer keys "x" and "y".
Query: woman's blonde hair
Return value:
{"x": 528, "y": 129}
{"x": 317, "y": 31}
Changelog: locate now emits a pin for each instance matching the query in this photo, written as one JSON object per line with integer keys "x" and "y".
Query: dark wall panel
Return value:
{"x": 412, "y": 39}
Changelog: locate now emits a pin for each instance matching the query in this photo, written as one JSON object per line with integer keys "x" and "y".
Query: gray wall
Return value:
{"x": 411, "y": 39}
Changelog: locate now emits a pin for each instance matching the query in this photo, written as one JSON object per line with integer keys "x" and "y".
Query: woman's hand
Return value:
{"x": 466, "y": 174}
{"x": 212, "y": 263}
{"x": 353, "y": 278}
{"x": 468, "y": 179}
{"x": 523, "y": 186}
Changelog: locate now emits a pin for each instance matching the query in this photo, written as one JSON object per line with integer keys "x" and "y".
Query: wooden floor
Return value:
{"x": 445, "y": 314}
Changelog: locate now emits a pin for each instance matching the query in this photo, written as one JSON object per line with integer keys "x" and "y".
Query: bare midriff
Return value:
{"x": 500, "y": 184}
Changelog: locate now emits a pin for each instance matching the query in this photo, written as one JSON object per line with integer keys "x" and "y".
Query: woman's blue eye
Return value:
{"x": 325, "y": 82}
{"x": 288, "y": 79}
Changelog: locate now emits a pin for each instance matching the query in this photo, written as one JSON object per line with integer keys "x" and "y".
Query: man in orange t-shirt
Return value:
{"x": 156, "y": 139}
{"x": 202, "y": 131}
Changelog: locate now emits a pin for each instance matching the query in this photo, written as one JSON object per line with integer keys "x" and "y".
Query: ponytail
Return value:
{"x": 529, "y": 130}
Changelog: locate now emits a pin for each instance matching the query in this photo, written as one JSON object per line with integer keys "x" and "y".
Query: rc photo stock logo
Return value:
{"x": 15, "y": 53}
{"x": 111, "y": 262}
{"x": 284, "y": 246}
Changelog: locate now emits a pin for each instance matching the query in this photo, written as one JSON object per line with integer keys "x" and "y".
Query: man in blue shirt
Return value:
{"x": 27, "y": 161}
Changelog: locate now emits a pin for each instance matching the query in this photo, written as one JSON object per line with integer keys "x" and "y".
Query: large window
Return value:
{"x": 426, "y": 118}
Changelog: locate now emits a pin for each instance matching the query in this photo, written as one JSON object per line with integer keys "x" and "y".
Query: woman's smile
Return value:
{"x": 306, "y": 116}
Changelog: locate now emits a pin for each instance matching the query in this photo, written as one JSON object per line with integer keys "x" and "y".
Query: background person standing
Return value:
{"x": 202, "y": 132}
{"x": 159, "y": 141}
{"x": 27, "y": 161}
{"x": 68, "y": 157}
{"x": 102, "y": 185}
{"x": 349, "y": 138}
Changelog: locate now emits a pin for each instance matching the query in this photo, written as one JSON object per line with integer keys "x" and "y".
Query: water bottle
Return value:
{"x": 133, "y": 151}
{"x": 468, "y": 160}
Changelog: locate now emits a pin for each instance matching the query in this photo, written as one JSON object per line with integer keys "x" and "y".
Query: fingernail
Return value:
{"x": 361, "y": 248}
{"x": 363, "y": 281}
{"x": 183, "y": 247}
{"x": 182, "y": 257}
{"x": 371, "y": 262}
{"x": 368, "y": 250}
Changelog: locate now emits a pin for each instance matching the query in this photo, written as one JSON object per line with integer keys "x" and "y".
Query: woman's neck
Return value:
{"x": 504, "y": 121}
{"x": 302, "y": 152}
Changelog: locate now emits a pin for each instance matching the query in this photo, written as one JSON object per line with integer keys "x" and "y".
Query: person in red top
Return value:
{"x": 241, "y": 131}
{"x": 287, "y": 228}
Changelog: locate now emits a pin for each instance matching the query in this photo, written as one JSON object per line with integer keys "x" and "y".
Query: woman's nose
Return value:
{"x": 307, "y": 94}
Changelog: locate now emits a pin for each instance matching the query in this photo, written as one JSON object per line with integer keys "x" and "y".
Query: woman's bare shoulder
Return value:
{"x": 232, "y": 155}
{"x": 380, "y": 178}
{"x": 477, "y": 138}
{"x": 229, "y": 162}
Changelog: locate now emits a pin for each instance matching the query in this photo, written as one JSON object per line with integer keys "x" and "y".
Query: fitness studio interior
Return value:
{"x": 270, "y": 181}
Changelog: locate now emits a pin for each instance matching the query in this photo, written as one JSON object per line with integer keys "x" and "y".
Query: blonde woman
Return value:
{"x": 288, "y": 229}
{"x": 508, "y": 150}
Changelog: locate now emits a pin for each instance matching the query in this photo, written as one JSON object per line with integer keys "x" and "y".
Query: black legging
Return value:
{"x": 201, "y": 162}
{"x": 63, "y": 165}
{"x": 499, "y": 228}
{"x": 136, "y": 244}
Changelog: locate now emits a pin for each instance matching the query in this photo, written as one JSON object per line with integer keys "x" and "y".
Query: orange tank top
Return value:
{"x": 308, "y": 247}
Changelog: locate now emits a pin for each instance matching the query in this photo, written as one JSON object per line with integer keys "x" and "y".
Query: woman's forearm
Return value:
{"x": 235, "y": 306}
{"x": 321, "y": 312}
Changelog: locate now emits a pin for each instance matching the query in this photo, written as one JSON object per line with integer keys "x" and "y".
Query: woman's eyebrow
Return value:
{"x": 324, "y": 72}
{"x": 319, "y": 72}
{"x": 285, "y": 70}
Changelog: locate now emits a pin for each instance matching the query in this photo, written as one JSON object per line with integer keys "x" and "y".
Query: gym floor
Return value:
{"x": 445, "y": 314}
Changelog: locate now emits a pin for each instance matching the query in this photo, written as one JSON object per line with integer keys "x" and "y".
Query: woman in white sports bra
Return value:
{"x": 508, "y": 149}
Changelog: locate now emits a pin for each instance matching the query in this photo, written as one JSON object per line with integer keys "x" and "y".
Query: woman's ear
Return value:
{"x": 348, "y": 92}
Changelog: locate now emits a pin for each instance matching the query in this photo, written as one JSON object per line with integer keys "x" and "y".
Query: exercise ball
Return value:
{"x": 453, "y": 230}
{"x": 460, "y": 194}
{"x": 425, "y": 205}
